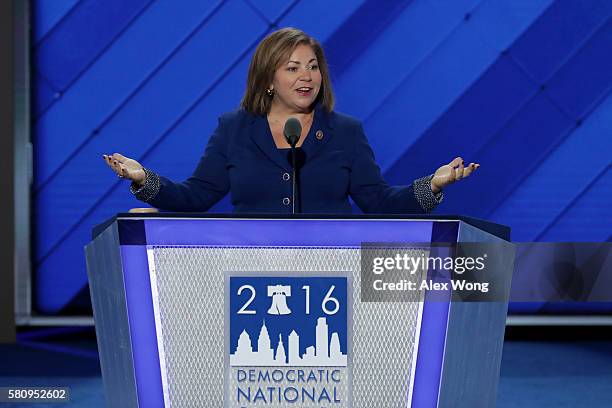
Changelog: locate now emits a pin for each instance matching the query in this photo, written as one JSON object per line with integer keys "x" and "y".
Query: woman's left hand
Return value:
{"x": 451, "y": 172}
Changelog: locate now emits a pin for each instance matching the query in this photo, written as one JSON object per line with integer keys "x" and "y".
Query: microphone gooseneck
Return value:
{"x": 292, "y": 132}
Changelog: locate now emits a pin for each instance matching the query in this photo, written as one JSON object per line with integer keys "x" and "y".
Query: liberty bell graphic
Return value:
{"x": 279, "y": 294}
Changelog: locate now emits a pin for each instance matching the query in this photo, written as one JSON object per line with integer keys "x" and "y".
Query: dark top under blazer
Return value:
{"x": 241, "y": 158}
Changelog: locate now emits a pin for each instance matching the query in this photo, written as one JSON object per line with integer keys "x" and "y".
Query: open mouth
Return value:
{"x": 304, "y": 91}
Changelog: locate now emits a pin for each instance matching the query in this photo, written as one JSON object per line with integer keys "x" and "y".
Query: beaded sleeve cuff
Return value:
{"x": 424, "y": 195}
{"x": 149, "y": 190}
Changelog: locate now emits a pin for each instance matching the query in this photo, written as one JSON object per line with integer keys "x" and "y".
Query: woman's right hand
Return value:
{"x": 126, "y": 168}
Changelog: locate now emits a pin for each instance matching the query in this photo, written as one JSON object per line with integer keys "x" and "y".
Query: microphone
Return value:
{"x": 292, "y": 132}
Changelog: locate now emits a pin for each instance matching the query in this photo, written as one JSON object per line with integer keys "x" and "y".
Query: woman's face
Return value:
{"x": 297, "y": 81}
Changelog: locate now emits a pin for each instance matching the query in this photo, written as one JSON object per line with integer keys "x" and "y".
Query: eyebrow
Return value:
{"x": 298, "y": 62}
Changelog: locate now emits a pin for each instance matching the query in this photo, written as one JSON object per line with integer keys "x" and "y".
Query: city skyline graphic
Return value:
{"x": 326, "y": 352}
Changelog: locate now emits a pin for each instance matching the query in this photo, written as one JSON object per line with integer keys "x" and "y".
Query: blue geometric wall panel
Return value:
{"x": 523, "y": 87}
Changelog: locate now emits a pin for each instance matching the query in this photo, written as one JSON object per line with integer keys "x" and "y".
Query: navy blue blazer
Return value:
{"x": 241, "y": 158}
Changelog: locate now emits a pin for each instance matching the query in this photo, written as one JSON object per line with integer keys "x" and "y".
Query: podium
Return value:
{"x": 202, "y": 310}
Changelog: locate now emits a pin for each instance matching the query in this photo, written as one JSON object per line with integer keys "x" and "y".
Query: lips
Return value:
{"x": 304, "y": 91}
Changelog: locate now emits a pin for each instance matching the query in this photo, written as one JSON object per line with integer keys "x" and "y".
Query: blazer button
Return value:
{"x": 286, "y": 201}
{"x": 319, "y": 135}
{"x": 286, "y": 176}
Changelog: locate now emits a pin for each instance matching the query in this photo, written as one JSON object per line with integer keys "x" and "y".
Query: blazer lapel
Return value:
{"x": 320, "y": 133}
{"x": 261, "y": 136}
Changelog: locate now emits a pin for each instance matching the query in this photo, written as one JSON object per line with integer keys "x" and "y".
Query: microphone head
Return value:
{"x": 292, "y": 131}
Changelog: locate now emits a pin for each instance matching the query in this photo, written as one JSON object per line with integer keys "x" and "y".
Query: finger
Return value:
{"x": 119, "y": 157}
{"x": 459, "y": 171}
{"x": 455, "y": 162}
{"x": 111, "y": 162}
{"x": 116, "y": 166}
{"x": 452, "y": 176}
{"x": 124, "y": 172}
{"x": 468, "y": 170}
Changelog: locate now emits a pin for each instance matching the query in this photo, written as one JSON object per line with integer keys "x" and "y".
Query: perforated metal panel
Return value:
{"x": 188, "y": 287}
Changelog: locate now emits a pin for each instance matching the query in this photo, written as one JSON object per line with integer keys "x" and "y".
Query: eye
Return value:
{"x": 292, "y": 69}
{"x": 314, "y": 67}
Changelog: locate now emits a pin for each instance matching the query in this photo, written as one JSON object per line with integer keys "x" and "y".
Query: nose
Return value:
{"x": 306, "y": 75}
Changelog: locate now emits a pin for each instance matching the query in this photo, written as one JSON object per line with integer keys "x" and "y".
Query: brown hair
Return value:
{"x": 271, "y": 52}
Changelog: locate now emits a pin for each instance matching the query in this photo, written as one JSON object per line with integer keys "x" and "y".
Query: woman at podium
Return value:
{"x": 250, "y": 156}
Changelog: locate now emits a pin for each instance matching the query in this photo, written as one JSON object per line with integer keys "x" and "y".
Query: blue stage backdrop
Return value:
{"x": 522, "y": 86}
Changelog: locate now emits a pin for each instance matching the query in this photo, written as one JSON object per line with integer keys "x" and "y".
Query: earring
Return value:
{"x": 270, "y": 92}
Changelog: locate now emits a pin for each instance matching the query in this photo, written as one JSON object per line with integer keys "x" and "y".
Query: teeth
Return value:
{"x": 304, "y": 89}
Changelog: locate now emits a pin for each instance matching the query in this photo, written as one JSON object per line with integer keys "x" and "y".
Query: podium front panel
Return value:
{"x": 176, "y": 275}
